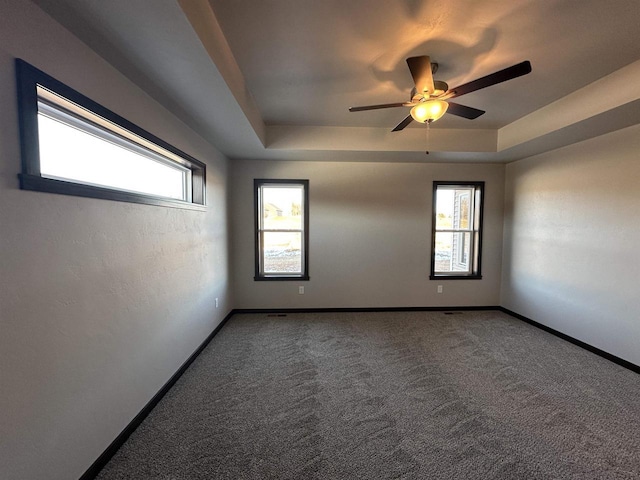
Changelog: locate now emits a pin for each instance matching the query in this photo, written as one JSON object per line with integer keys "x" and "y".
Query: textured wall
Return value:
{"x": 370, "y": 227}
{"x": 100, "y": 301}
{"x": 571, "y": 256}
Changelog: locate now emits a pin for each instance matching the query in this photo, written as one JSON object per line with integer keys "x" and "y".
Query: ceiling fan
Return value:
{"x": 429, "y": 97}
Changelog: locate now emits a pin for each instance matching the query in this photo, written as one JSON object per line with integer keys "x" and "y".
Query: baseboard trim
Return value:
{"x": 361, "y": 309}
{"x": 93, "y": 471}
{"x": 617, "y": 360}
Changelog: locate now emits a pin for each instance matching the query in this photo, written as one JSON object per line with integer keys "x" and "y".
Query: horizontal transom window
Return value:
{"x": 74, "y": 146}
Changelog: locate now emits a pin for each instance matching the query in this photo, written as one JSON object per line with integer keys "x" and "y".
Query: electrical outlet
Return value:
{"x": 216, "y": 303}
{"x": 439, "y": 288}
{"x": 301, "y": 290}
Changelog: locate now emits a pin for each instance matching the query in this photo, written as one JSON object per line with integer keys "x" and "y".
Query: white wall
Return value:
{"x": 100, "y": 301}
{"x": 571, "y": 241}
{"x": 370, "y": 236}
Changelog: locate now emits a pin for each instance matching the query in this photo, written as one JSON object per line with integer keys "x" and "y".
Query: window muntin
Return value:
{"x": 74, "y": 146}
{"x": 281, "y": 229}
{"x": 457, "y": 230}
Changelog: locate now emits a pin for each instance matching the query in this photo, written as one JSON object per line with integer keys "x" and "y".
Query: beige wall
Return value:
{"x": 370, "y": 236}
{"x": 572, "y": 231}
{"x": 100, "y": 301}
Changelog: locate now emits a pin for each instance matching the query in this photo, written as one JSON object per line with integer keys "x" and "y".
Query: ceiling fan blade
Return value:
{"x": 420, "y": 68}
{"x": 408, "y": 119}
{"x": 376, "y": 107}
{"x": 464, "y": 111}
{"x": 498, "y": 77}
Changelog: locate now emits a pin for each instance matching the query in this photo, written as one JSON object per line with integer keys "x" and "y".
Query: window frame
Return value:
{"x": 258, "y": 183}
{"x": 475, "y": 231}
{"x": 28, "y": 79}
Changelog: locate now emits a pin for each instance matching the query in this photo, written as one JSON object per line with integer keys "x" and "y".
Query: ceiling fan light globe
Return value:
{"x": 429, "y": 111}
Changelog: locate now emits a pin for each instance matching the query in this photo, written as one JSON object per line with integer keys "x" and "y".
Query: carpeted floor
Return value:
{"x": 406, "y": 395}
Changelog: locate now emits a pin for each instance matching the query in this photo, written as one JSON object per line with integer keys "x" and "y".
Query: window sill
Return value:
{"x": 281, "y": 278}
{"x": 455, "y": 277}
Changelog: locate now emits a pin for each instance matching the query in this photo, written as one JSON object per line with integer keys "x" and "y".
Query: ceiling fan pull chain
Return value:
{"x": 428, "y": 130}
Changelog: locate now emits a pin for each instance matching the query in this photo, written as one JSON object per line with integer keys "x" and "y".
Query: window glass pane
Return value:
{"x": 282, "y": 208}
{"x": 452, "y": 252}
{"x": 282, "y": 252}
{"x": 460, "y": 251}
{"x": 444, "y": 209}
{"x": 462, "y": 209}
{"x": 444, "y": 241}
{"x": 72, "y": 154}
{"x": 453, "y": 208}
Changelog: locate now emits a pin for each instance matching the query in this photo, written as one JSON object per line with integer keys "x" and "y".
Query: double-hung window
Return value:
{"x": 457, "y": 230}
{"x": 282, "y": 229}
{"x": 74, "y": 146}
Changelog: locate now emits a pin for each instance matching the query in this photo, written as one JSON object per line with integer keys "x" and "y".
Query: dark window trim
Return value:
{"x": 28, "y": 78}
{"x": 257, "y": 183}
{"x": 474, "y": 276}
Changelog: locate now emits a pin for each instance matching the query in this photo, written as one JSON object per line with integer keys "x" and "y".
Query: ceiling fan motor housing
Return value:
{"x": 440, "y": 88}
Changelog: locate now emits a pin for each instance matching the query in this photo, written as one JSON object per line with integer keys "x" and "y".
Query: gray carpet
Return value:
{"x": 475, "y": 395}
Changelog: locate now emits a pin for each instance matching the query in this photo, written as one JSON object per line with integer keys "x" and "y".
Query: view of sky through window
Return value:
{"x": 72, "y": 154}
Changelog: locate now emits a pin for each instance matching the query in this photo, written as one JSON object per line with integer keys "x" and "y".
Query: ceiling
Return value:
{"x": 273, "y": 79}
